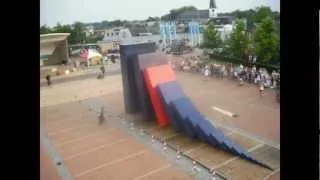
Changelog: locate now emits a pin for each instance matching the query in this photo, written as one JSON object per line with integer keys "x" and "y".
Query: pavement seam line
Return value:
{"x": 110, "y": 163}
{"x": 193, "y": 149}
{"x": 271, "y": 174}
{"x": 83, "y": 137}
{"x": 235, "y": 158}
{"x": 55, "y": 156}
{"x": 60, "y": 122}
{"x": 153, "y": 171}
{"x": 66, "y": 130}
{"x": 247, "y": 134}
{"x": 96, "y": 148}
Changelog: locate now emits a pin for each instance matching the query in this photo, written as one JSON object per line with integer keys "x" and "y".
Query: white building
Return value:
{"x": 89, "y": 30}
{"x": 117, "y": 34}
{"x": 225, "y": 31}
{"x": 224, "y": 25}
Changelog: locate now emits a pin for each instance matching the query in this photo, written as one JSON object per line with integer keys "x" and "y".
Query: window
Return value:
{"x": 107, "y": 34}
{"x": 117, "y": 33}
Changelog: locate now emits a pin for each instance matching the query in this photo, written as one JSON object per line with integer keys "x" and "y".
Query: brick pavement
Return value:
{"x": 47, "y": 169}
{"x": 91, "y": 151}
{"x": 203, "y": 96}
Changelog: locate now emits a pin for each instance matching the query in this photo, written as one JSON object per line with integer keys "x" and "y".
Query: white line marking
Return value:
{"x": 225, "y": 163}
{"x": 271, "y": 174}
{"x": 65, "y": 130}
{"x": 153, "y": 171}
{"x": 110, "y": 163}
{"x": 246, "y": 134}
{"x": 96, "y": 148}
{"x": 83, "y": 137}
{"x": 227, "y": 113}
{"x": 196, "y": 148}
{"x": 255, "y": 147}
{"x": 229, "y": 133}
{"x": 235, "y": 158}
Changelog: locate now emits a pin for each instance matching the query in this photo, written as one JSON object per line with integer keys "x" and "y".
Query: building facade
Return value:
{"x": 117, "y": 34}
{"x": 54, "y": 48}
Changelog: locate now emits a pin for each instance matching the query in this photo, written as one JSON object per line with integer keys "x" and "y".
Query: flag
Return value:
{"x": 167, "y": 27}
{"x": 174, "y": 30}
{"x": 162, "y": 31}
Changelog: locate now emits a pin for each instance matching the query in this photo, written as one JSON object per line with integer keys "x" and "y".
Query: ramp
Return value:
{"x": 197, "y": 126}
{"x": 169, "y": 92}
{"x": 168, "y": 101}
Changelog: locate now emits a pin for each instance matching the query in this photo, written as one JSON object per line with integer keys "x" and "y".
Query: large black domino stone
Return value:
{"x": 128, "y": 54}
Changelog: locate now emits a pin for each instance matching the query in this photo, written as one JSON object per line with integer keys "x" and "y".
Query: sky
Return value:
{"x": 69, "y": 11}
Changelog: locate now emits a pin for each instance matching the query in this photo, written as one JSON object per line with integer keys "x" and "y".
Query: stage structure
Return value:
{"x": 168, "y": 32}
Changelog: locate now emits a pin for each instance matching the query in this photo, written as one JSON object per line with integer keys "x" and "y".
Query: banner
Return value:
{"x": 168, "y": 31}
{"x": 162, "y": 31}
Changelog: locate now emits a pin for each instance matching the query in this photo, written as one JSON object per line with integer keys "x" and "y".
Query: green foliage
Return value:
{"x": 77, "y": 34}
{"x": 152, "y": 19}
{"x": 76, "y": 31}
{"x": 174, "y": 13}
{"x": 262, "y": 13}
{"x": 93, "y": 39}
{"x": 211, "y": 38}
{"x": 266, "y": 41}
{"x": 238, "y": 43}
{"x": 45, "y": 29}
{"x": 254, "y": 15}
{"x": 261, "y": 37}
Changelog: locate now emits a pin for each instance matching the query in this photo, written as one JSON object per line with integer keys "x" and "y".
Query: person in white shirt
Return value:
{"x": 254, "y": 69}
{"x": 258, "y": 78}
{"x": 261, "y": 89}
{"x": 273, "y": 79}
{"x": 254, "y": 59}
{"x": 241, "y": 67}
{"x": 206, "y": 72}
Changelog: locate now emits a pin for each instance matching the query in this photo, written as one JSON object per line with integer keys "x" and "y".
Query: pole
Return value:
{"x": 198, "y": 30}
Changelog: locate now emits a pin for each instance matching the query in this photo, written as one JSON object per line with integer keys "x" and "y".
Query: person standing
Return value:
{"x": 273, "y": 79}
{"x": 206, "y": 72}
{"x": 103, "y": 70}
{"x": 261, "y": 88}
{"x": 254, "y": 60}
{"x": 48, "y": 78}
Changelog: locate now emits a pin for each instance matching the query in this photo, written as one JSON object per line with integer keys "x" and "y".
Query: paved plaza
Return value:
{"x": 90, "y": 151}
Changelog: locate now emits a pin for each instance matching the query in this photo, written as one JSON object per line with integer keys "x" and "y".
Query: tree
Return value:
{"x": 261, "y": 13}
{"x": 174, "y": 13}
{"x": 211, "y": 38}
{"x": 45, "y": 29}
{"x": 152, "y": 19}
{"x": 116, "y": 23}
{"x": 238, "y": 43}
{"x": 266, "y": 41}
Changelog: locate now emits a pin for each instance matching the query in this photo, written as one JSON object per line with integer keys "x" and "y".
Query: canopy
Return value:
{"x": 89, "y": 54}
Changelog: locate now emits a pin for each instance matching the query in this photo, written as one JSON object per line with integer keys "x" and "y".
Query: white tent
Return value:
{"x": 92, "y": 53}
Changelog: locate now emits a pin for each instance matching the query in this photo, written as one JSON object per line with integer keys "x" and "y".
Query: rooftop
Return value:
{"x": 54, "y": 37}
{"x": 195, "y": 14}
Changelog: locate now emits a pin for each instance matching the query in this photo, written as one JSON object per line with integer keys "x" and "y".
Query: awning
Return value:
{"x": 47, "y": 50}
